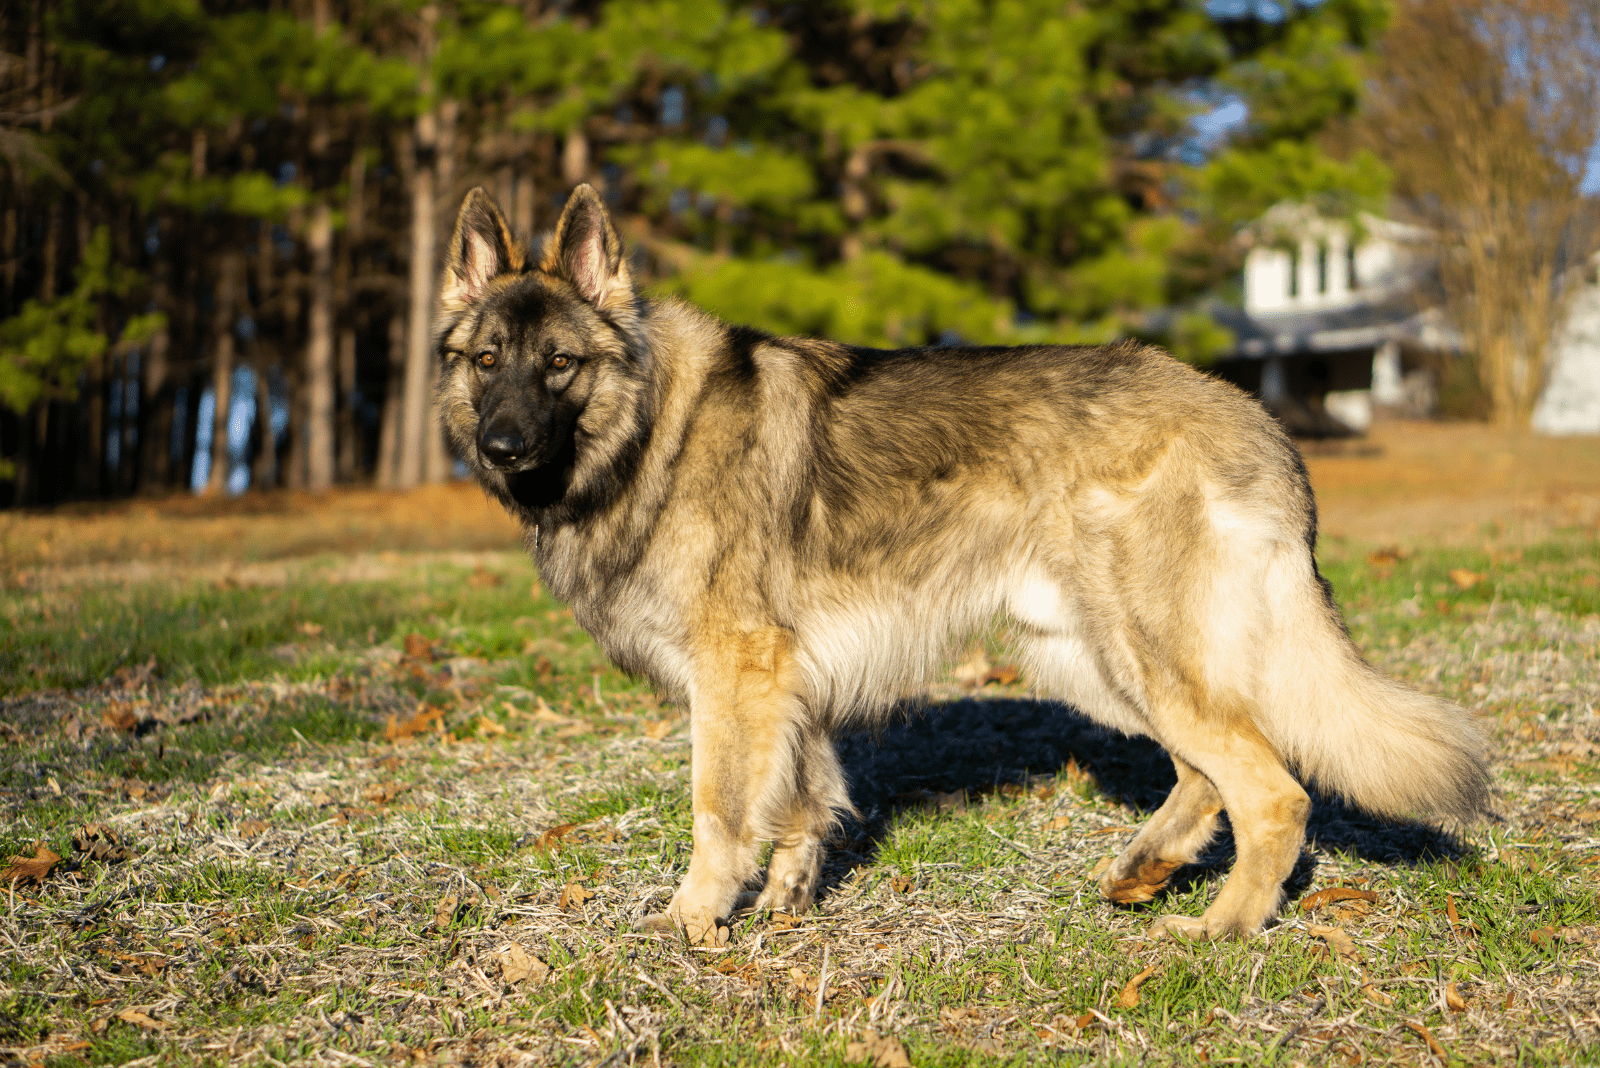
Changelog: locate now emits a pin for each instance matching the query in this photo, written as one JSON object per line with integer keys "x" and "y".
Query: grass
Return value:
{"x": 338, "y": 815}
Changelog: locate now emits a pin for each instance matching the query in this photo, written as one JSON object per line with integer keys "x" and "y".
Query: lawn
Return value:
{"x": 355, "y": 792}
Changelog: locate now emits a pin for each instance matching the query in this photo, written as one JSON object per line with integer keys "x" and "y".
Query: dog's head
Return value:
{"x": 542, "y": 364}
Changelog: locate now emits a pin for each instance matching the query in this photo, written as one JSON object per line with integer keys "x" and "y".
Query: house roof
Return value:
{"x": 1364, "y": 325}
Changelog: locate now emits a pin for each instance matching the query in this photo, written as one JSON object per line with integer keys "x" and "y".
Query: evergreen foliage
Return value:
{"x": 883, "y": 172}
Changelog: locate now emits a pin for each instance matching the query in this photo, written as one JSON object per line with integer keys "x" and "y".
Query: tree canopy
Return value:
{"x": 273, "y": 180}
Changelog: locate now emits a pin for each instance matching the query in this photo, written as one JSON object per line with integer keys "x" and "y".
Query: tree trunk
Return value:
{"x": 438, "y": 460}
{"x": 222, "y": 321}
{"x": 393, "y": 387}
{"x": 319, "y": 355}
{"x": 349, "y": 443}
{"x": 526, "y": 225}
{"x": 414, "y": 409}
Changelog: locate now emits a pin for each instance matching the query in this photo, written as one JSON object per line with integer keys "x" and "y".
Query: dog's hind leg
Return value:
{"x": 797, "y": 851}
{"x": 1171, "y": 838}
{"x": 745, "y": 720}
{"x": 1267, "y": 809}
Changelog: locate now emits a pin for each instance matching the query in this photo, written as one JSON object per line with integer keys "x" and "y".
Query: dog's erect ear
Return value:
{"x": 481, "y": 249}
{"x": 588, "y": 253}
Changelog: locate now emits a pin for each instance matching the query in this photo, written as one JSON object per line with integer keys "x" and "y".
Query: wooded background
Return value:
{"x": 221, "y": 220}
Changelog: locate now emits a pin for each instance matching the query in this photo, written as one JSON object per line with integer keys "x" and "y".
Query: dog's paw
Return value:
{"x": 701, "y": 929}
{"x": 1182, "y": 928}
{"x": 656, "y": 923}
{"x": 1145, "y": 883}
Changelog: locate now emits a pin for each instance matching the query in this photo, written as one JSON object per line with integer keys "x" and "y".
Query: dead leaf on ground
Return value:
{"x": 1453, "y": 999}
{"x": 1004, "y": 675}
{"x": 253, "y": 828}
{"x": 786, "y": 921}
{"x": 1464, "y": 578}
{"x": 1339, "y": 943}
{"x": 310, "y": 630}
{"x": 489, "y": 727}
{"x": 1129, "y": 998}
{"x": 151, "y": 964}
{"x": 1427, "y": 1036}
{"x": 425, "y": 715}
{"x": 573, "y": 895}
{"x": 445, "y": 910}
{"x": 551, "y": 839}
{"x": 32, "y": 870}
{"x": 902, "y": 884}
{"x": 1545, "y": 936}
{"x": 517, "y": 964}
{"x": 140, "y": 1019}
{"x": 419, "y": 647}
{"x": 1387, "y": 555}
{"x": 118, "y": 717}
{"x": 102, "y": 843}
{"x": 383, "y": 793}
{"x": 1312, "y": 902}
{"x": 880, "y": 1051}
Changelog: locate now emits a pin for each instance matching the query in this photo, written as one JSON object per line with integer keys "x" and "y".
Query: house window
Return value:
{"x": 1350, "y": 279}
{"x": 1294, "y": 273}
{"x": 1322, "y": 268}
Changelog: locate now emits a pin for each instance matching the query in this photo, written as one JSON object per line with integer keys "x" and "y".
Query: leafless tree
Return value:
{"x": 1487, "y": 110}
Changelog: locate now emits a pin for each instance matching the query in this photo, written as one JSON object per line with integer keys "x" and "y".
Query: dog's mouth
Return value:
{"x": 538, "y": 482}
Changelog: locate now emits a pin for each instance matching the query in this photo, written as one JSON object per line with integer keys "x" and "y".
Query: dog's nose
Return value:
{"x": 502, "y": 450}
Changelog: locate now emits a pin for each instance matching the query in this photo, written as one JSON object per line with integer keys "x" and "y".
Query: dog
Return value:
{"x": 790, "y": 535}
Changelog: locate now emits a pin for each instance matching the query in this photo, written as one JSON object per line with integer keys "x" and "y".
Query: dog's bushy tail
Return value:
{"x": 1351, "y": 731}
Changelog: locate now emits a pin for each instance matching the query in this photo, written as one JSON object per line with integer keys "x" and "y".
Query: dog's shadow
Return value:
{"x": 975, "y": 746}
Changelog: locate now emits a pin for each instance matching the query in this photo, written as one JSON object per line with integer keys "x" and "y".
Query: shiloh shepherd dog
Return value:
{"x": 790, "y": 535}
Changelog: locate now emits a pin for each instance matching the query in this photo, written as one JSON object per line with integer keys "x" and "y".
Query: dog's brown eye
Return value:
{"x": 561, "y": 363}
{"x": 486, "y": 359}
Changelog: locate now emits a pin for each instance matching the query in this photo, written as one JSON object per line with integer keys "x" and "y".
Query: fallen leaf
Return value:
{"x": 119, "y": 717}
{"x": 419, "y": 647}
{"x": 1453, "y": 999}
{"x": 489, "y": 726}
{"x": 30, "y": 870}
{"x": 551, "y": 838}
{"x": 101, "y": 843}
{"x": 786, "y": 921}
{"x": 1004, "y": 675}
{"x": 1060, "y": 823}
{"x": 880, "y": 1051}
{"x": 139, "y": 1019}
{"x": 1545, "y": 936}
{"x": 1337, "y": 941}
{"x": 574, "y": 895}
{"x": 383, "y": 793}
{"x": 310, "y": 630}
{"x": 1129, "y": 998}
{"x": 517, "y": 964}
{"x": 151, "y": 964}
{"x": 1464, "y": 578}
{"x": 252, "y": 828}
{"x": 425, "y": 715}
{"x": 902, "y": 884}
{"x": 445, "y": 910}
{"x": 1427, "y": 1036}
{"x": 1312, "y": 902}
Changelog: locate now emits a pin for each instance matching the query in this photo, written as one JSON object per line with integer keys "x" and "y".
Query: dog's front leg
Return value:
{"x": 744, "y": 721}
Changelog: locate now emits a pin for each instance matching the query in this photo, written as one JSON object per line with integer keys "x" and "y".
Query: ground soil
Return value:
{"x": 1404, "y": 482}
